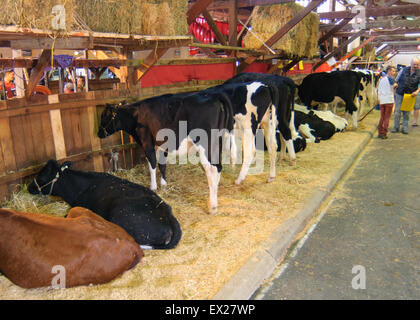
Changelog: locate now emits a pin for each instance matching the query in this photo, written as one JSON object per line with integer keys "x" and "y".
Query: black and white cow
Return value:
{"x": 173, "y": 123}
{"x": 137, "y": 209}
{"x": 253, "y": 106}
{"x": 324, "y": 87}
{"x": 318, "y": 125}
{"x": 286, "y": 91}
{"x": 367, "y": 94}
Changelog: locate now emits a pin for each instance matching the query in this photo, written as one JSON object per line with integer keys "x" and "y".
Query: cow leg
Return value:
{"x": 248, "y": 146}
{"x": 213, "y": 178}
{"x": 269, "y": 125}
{"x": 233, "y": 149}
{"x": 151, "y": 160}
{"x": 282, "y": 148}
{"x": 285, "y": 131}
{"x": 162, "y": 166}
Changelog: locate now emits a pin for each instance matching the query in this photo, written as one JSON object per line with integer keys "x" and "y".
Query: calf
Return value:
{"x": 91, "y": 249}
{"x": 324, "y": 87}
{"x": 318, "y": 125}
{"x": 138, "y": 210}
{"x": 367, "y": 92}
{"x": 171, "y": 123}
{"x": 285, "y": 104}
{"x": 253, "y": 106}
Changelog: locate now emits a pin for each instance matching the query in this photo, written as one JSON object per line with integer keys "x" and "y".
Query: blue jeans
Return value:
{"x": 397, "y": 114}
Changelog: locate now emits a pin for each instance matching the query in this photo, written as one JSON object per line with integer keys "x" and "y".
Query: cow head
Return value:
{"x": 44, "y": 182}
{"x": 110, "y": 122}
{"x": 299, "y": 143}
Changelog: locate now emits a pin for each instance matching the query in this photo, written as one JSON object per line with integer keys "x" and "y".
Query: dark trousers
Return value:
{"x": 386, "y": 111}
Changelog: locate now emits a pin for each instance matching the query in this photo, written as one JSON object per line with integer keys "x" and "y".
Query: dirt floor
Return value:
{"x": 213, "y": 247}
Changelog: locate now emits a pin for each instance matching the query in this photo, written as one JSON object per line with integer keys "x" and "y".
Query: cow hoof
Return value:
{"x": 238, "y": 182}
{"x": 163, "y": 183}
{"x": 213, "y": 210}
{"x": 292, "y": 162}
{"x": 270, "y": 179}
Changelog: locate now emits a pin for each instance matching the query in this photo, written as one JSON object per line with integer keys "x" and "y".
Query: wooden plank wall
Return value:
{"x": 64, "y": 127}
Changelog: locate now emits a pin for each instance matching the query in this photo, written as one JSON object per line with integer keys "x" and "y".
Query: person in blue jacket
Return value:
{"x": 408, "y": 81}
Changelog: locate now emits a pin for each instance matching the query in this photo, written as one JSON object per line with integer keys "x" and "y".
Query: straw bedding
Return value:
{"x": 213, "y": 247}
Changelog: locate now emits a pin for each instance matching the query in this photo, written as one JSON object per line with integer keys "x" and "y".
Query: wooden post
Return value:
{"x": 57, "y": 130}
{"x": 19, "y": 82}
{"x": 233, "y": 22}
{"x": 95, "y": 142}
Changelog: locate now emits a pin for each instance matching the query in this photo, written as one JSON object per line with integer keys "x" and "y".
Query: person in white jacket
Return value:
{"x": 386, "y": 100}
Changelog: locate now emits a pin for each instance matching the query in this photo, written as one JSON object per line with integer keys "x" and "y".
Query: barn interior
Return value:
{"x": 148, "y": 48}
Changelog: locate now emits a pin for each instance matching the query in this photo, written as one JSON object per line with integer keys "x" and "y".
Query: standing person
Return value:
{"x": 386, "y": 100}
{"x": 416, "y": 111}
{"x": 408, "y": 83}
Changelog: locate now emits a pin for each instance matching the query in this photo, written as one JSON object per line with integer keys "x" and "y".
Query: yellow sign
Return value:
{"x": 408, "y": 102}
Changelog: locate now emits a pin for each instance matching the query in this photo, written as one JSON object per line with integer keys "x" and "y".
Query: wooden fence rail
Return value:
{"x": 64, "y": 127}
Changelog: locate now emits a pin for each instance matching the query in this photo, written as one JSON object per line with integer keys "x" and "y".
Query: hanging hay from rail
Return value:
{"x": 147, "y": 17}
{"x": 300, "y": 41}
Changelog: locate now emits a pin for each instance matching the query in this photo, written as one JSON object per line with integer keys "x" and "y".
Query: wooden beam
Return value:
{"x": 290, "y": 65}
{"x": 382, "y": 32}
{"x": 59, "y": 43}
{"x": 337, "y": 50}
{"x": 38, "y": 71}
{"x": 335, "y": 29}
{"x": 223, "y": 4}
{"x": 148, "y": 62}
{"x": 233, "y": 23}
{"x": 219, "y": 36}
{"x": 410, "y": 10}
{"x": 205, "y": 49}
{"x": 348, "y": 55}
{"x": 283, "y": 30}
{"x": 196, "y": 9}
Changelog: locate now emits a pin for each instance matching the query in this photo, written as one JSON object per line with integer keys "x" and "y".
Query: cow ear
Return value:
{"x": 66, "y": 165}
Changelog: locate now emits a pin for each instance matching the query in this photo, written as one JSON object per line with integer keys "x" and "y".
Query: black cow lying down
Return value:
{"x": 173, "y": 123}
{"x": 137, "y": 209}
{"x": 317, "y": 125}
{"x": 290, "y": 138}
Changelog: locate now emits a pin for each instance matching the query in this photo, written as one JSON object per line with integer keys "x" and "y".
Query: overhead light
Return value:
{"x": 412, "y": 35}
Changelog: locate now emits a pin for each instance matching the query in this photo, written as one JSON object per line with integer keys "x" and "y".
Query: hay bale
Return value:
{"x": 35, "y": 13}
{"x": 300, "y": 41}
{"x": 149, "y": 17}
{"x": 135, "y": 17}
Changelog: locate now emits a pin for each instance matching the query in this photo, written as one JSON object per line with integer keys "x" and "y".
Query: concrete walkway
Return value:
{"x": 372, "y": 222}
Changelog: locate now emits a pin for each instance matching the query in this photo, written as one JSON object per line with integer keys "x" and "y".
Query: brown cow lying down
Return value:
{"x": 91, "y": 249}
